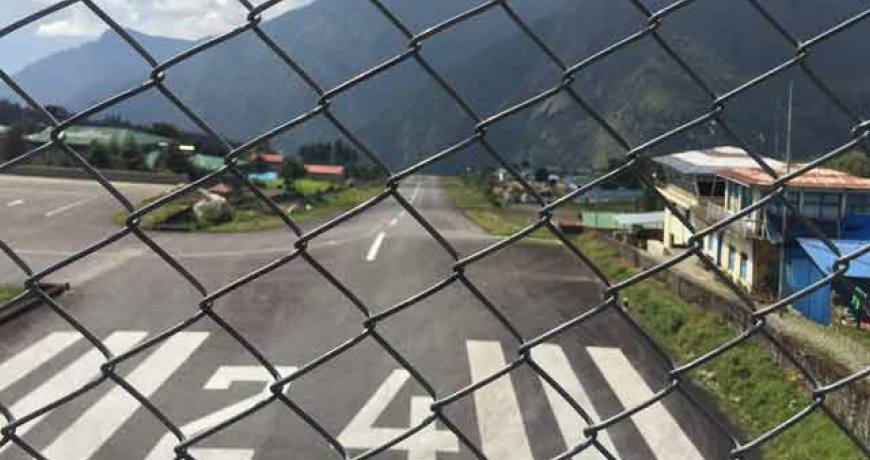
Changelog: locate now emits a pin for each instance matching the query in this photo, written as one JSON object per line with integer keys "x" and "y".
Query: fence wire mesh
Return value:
{"x": 656, "y": 20}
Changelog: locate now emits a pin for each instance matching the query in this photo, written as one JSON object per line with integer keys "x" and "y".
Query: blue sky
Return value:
{"x": 74, "y": 25}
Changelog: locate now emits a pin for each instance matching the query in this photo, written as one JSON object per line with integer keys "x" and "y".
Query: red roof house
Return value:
{"x": 333, "y": 172}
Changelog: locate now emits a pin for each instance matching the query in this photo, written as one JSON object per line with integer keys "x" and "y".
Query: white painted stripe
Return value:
{"x": 14, "y": 203}
{"x": 361, "y": 432}
{"x": 502, "y": 433}
{"x": 80, "y": 372}
{"x": 552, "y": 359}
{"x": 220, "y": 454}
{"x": 103, "y": 265}
{"x": 393, "y": 221}
{"x": 90, "y": 431}
{"x": 375, "y": 247}
{"x": 65, "y": 208}
{"x": 416, "y": 193}
{"x": 222, "y": 379}
{"x": 657, "y": 426}
{"x": 27, "y": 360}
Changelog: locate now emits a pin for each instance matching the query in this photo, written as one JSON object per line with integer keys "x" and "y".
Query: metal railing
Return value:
{"x": 656, "y": 20}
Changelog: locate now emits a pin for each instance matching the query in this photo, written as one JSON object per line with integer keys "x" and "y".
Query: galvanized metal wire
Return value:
{"x": 656, "y": 20}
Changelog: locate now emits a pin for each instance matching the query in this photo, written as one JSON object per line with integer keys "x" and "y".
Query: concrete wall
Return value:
{"x": 675, "y": 233}
{"x": 111, "y": 174}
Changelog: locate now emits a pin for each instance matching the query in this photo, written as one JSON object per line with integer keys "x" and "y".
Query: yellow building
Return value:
{"x": 690, "y": 181}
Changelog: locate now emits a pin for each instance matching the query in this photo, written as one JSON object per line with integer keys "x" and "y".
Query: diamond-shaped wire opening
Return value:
{"x": 197, "y": 84}
{"x": 485, "y": 95}
{"x": 60, "y": 81}
{"x": 362, "y": 25}
{"x": 714, "y": 49}
{"x": 340, "y": 220}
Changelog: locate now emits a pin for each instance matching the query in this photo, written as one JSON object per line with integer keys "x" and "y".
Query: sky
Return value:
{"x": 76, "y": 24}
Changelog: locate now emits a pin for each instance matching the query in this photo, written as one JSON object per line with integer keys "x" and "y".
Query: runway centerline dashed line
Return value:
{"x": 375, "y": 247}
{"x": 67, "y": 207}
{"x": 14, "y": 203}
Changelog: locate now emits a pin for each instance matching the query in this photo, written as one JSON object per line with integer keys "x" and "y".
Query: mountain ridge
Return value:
{"x": 242, "y": 89}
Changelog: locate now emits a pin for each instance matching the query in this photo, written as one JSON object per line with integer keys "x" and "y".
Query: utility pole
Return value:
{"x": 784, "y": 229}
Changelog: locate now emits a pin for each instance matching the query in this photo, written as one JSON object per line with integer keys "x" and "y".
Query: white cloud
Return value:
{"x": 191, "y": 19}
{"x": 64, "y": 28}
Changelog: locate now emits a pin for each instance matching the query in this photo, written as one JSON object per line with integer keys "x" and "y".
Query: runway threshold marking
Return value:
{"x": 67, "y": 207}
{"x": 27, "y": 360}
{"x": 361, "y": 432}
{"x": 656, "y": 424}
{"x": 552, "y": 359}
{"x": 502, "y": 432}
{"x": 375, "y": 247}
{"x": 72, "y": 377}
{"x": 14, "y": 203}
{"x": 90, "y": 431}
{"x": 497, "y": 406}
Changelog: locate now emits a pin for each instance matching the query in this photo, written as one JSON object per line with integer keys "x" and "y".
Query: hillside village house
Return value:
{"x": 326, "y": 172}
{"x": 836, "y": 203}
{"x": 690, "y": 182}
{"x": 714, "y": 184}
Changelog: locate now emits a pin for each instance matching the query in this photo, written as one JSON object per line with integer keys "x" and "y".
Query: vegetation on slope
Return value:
{"x": 747, "y": 384}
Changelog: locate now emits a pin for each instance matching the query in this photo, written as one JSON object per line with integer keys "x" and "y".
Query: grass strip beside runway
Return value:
{"x": 746, "y": 382}
{"x": 255, "y": 216}
{"x": 8, "y": 292}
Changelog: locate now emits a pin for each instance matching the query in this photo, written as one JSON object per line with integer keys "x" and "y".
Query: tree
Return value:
{"x": 166, "y": 130}
{"x": 290, "y": 171}
{"x": 131, "y": 155}
{"x": 541, "y": 174}
{"x": 98, "y": 156}
{"x": 855, "y": 163}
{"x": 178, "y": 162}
{"x": 329, "y": 153}
{"x": 15, "y": 144}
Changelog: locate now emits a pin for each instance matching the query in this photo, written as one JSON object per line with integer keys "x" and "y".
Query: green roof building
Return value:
{"x": 84, "y": 136}
{"x": 206, "y": 163}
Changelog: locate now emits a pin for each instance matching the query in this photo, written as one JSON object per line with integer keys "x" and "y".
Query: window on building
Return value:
{"x": 732, "y": 255}
{"x": 776, "y": 206}
{"x": 830, "y": 206}
{"x": 744, "y": 267}
{"x": 745, "y": 197}
{"x": 812, "y": 205}
{"x": 732, "y": 200}
{"x": 818, "y": 205}
{"x": 857, "y": 203}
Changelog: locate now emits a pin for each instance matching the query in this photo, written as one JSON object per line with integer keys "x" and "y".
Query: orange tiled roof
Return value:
{"x": 325, "y": 169}
{"x": 815, "y": 178}
{"x": 271, "y": 157}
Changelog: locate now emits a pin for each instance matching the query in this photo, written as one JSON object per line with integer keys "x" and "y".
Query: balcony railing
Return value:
{"x": 709, "y": 212}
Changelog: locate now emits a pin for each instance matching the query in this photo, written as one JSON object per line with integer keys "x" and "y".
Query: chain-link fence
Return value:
{"x": 656, "y": 20}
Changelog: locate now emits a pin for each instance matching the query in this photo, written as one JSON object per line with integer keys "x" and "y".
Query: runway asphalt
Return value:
{"x": 293, "y": 316}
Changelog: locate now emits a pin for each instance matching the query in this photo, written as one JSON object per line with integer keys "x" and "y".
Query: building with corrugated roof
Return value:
{"x": 769, "y": 251}
{"x": 325, "y": 172}
{"x": 690, "y": 181}
{"x": 832, "y": 201}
